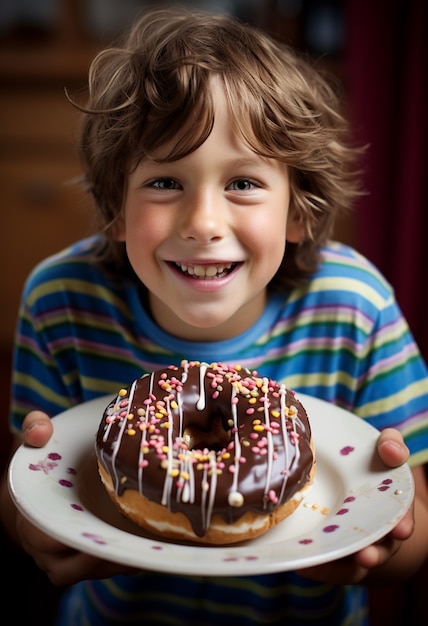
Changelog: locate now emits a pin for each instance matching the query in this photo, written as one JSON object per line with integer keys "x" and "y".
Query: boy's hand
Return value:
{"x": 62, "y": 564}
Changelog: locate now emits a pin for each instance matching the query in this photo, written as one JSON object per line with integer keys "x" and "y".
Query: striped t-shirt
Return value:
{"x": 341, "y": 338}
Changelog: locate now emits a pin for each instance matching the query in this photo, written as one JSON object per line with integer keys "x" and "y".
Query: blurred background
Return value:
{"x": 375, "y": 49}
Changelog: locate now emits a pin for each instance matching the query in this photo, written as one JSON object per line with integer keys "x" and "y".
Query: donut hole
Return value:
{"x": 216, "y": 437}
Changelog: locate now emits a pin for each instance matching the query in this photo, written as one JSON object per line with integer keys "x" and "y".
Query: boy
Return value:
{"x": 218, "y": 161}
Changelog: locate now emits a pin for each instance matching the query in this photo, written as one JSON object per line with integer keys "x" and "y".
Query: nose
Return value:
{"x": 204, "y": 217}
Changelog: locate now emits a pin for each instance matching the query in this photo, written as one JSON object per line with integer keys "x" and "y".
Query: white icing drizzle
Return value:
{"x": 170, "y": 459}
{"x": 143, "y": 435}
{"x": 121, "y": 430}
{"x": 200, "y": 405}
{"x": 234, "y": 411}
{"x": 212, "y": 489}
{"x": 286, "y": 472}
{"x": 269, "y": 439}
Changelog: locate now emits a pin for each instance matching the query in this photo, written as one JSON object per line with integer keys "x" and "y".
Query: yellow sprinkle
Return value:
{"x": 130, "y": 416}
{"x": 122, "y": 392}
{"x": 259, "y": 428}
{"x": 275, "y": 413}
{"x": 199, "y": 466}
{"x": 256, "y": 421}
{"x": 141, "y": 412}
{"x": 164, "y": 448}
{"x": 238, "y": 368}
{"x": 174, "y": 405}
{"x": 131, "y": 431}
{"x": 174, "y": 473}
{"x": 185, "y": 475}
{"x": 123, "y": 480}
{"x": 145, "y": 449}
{"x": 254, "y": 393}
{"x": 230, "y": 422}
{"x": 165, "y": 425}
{"x": 225, "y": 455}
{"x": 252, "y": 400}
{"x": 246, "y": 443}
{"x": 159, "y": 415}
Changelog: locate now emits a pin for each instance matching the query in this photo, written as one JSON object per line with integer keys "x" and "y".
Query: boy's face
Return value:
{"x": 206, "y": 233}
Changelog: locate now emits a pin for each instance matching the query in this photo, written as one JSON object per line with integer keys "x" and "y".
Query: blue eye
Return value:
{"x": 242, "y": 184}
{"x": 165, "y": 183}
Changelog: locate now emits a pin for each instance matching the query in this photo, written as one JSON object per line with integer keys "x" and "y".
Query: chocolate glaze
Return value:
{"x": 206, "y": 440}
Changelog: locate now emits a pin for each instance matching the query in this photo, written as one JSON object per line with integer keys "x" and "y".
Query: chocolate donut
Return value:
{"x": 212, "y": 454}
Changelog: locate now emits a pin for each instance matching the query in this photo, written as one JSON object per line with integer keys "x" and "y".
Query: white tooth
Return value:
{"x": 183, "y": 268}
{"x": 190, "y": 270}
{"x": 199, "y": 270}
{"x": 211, "y": 271}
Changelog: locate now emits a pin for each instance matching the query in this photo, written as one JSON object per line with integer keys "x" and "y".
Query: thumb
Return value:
{"x": 37, "y": 429}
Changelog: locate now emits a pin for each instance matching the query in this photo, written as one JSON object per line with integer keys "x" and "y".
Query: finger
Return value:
{"x": 377, "y": 554}
{"x": 37, "y": 429}
{"x": 391, "y": 447}
{"x": 405, "y": 526}
{"x": 344, "y": 571}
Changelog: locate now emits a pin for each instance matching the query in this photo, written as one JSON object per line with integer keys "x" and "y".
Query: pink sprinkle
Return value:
{"x": 272, "y": 496}
{"x": 215, "y": 395}
{"x": 249, "y": 411}
{"x": 255, "y": 449}
{"x": 235, "y": 400}
{"x": 232, "y": 469}
{"x": 144, "y": 463}
{"x": 254, "y": 436}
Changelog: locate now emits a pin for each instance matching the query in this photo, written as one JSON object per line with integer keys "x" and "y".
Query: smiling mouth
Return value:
{"x": 206, "y": 271}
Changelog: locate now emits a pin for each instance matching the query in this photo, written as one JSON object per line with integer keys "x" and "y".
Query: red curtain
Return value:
{"x": 387, "y": 74}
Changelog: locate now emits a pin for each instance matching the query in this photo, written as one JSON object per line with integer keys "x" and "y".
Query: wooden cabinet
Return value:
{"x": 42, "y": 208}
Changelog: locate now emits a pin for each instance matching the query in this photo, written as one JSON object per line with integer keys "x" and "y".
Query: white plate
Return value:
{"x": 354, "y": 501}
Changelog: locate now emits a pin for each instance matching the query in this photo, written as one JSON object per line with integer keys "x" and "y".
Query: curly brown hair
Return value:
{"x": 143, "y": 91}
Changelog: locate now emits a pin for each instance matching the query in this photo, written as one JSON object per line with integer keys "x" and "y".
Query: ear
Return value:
{"x": 295, "y": 227}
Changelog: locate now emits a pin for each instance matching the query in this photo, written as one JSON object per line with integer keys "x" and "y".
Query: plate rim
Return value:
{"x": 238, "y": 559}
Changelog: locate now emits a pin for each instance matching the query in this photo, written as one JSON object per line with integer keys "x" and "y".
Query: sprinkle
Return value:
{"x": 235, "y": 499}
{"x": 272, "y": 496}
{"x": 131, "y": 431}
{"x": 122, "y": 392}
